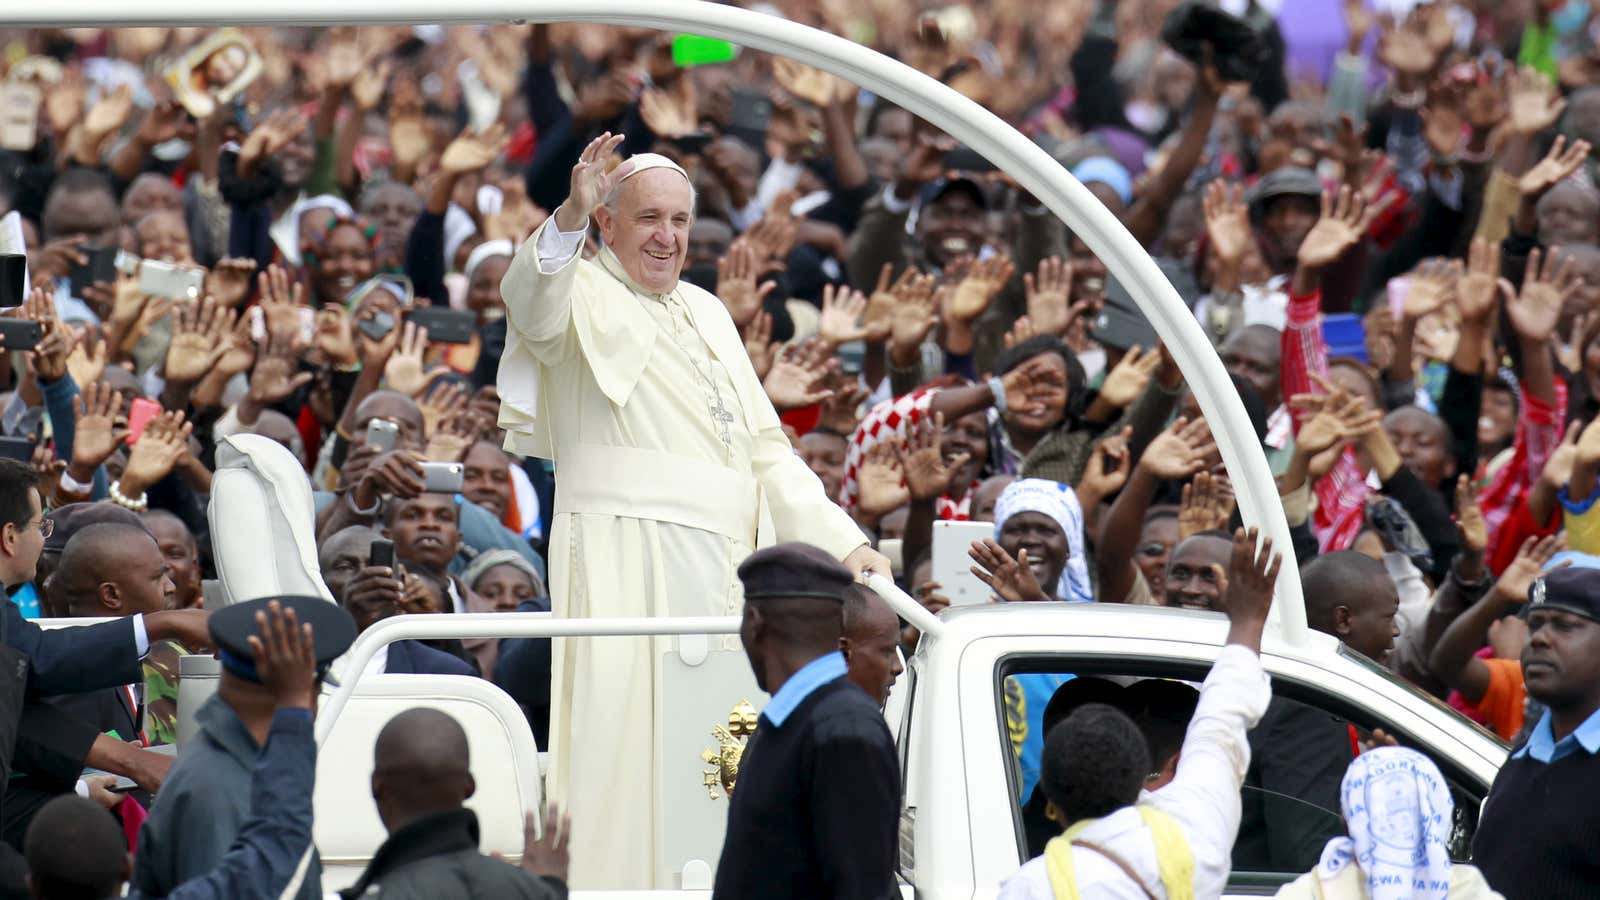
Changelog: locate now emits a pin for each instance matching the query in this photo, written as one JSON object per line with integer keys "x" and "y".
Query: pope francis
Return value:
{"x": 671, "y": 468}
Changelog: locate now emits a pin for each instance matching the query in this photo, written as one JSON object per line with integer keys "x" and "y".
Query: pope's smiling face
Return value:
{"x": 648, "y": 227}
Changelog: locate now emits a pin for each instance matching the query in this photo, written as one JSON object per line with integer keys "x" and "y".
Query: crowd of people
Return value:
{"x": 1385, "y": 216}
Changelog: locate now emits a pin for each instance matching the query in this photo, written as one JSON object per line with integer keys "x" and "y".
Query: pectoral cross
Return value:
{"x": 721, "y": 415}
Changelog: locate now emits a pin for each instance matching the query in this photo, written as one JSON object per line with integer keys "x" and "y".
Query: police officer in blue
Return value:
{"x": 75, "y": 849}
{"x": 207, "y": 799}
{"x": 1539, "y": 835}
{"x": 817, "y": 804}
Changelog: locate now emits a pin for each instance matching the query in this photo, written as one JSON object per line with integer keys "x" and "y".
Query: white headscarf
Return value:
{"x": 286, "y": 233}
{"x": 484, "y": 251}
{"x": 1398, "y": 811}
{"x": 1057, "y": 501}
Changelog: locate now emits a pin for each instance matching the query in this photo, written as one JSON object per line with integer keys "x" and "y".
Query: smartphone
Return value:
{"x": 751, "y": 110}
{"x": 442, "y": 478}
{"x": 258, "y": 324}
{"x": 381, "y": 554}
{"x": 693, "y": 143}
{"x": 445, "y": 326}
{"x": 694, "y": 50}
{"x": 381, "y": 434}
{"x": 952, "y": 561}
{"x": 161, "y": 279}
{"x": 19, "y": 115}
{"x": 13, "y": 279}
{"x": 20, "y": 334}
{"x": 17, "y": 448}
{"x": 377, "y": 326}
{"x": 139, "y": 415}
{"x": 102, "y": 266}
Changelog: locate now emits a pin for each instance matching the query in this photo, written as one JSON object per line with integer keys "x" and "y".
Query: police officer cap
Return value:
{"x": 794, "y": 570}
{"x": 332, "y": 631}
{"x": 1575, "y": 589}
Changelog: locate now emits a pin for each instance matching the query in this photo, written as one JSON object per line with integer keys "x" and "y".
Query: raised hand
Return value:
{"x": 591, "y": 182}
{"x": 916, "y": 312}
{"x": 736, "y": 283}
{"x": 1406, "y": 49}
{"x": 1442, "y": 120}
{"x": 547, "y": 856}
{"x": 409, "y": 140}
{"x": 1536, "y": 310}
{"x": 1476, "y": 288}
{"x": 270, "y": 136}
{"x": 927, "y": 473}
{"x": 405, "y": 371}
{"x": 164, "y": 442}
{"x": 1562, "y": 160}
{"x": 473, "y": 151}
{"x": 196, "y": 345}
{"x": 980, "y": 282}
{"x": 86, "y": 362}
{"x": 1227, "y": 221}
{"x": 671, "y": 113}
{"x": 879, "y": 315}
{"x": 1430, "y": 286}
{"x": 440, "y": 404}
{"x": 758, "y": 346}
{"x": 1345, "y": 218}
{"x": 1127, "y": 380}
{"x": 1532, "y": 557}
{"x": 228, "y": 282}
{"x": 95, "y": 434}
{"x": 450, "y": 440}
{"x": 334, "y": 337}
{"x": 798, "y": 376}
{"x": 367, "y": 88}
{"x": 281, "y": 299}
{"x": 880, "y": 485}
{"x": 1012, "y": 580}
{"x": 923, "y": 164}
{"x": 1107, "y": 469}
{"x": 1025, "y": 384}
{"x": 1469, "y": 519}
{"x": 1049, "y": 295}
{"x": 1021, "y": 330}
{"x": 108, "y": 115}
{"x": 1207, "y": 505}
{"x": 275, "y": 377}
{"x": 814, "y": 86}
{"x": 285, "y": 653}
{"x": 1534, "y": 102}
{"x": 774, "y": 236}
{"x": 1252, "y": 575}
{"x": 1180, "y": 451}
{"x": 841, "y": 319}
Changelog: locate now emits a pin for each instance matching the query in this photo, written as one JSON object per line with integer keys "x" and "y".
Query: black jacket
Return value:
{"x": 436, "y": 858}
{"x": 817, "y": 808}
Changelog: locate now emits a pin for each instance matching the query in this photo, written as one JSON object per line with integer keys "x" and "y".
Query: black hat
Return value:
{"x": 793, "y": 570}
{"x": 1289, "y": 181}
{"x": 332, "y": 630}
{"x": 72, "y": 518}
{"x": 1575, "y": 590}
{"x": 939, "y": 187}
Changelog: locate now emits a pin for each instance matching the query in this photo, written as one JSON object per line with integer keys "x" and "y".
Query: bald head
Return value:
{"x": 421, "y": 766}
{"x": 395, "y": 407}
{"x": 1351, "y": 596}
{"x": 1253, "y": 353}
{"x": 112, "y": 568}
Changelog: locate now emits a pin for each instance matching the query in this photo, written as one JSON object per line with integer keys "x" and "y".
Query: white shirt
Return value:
{"x": 1203, "y": 798}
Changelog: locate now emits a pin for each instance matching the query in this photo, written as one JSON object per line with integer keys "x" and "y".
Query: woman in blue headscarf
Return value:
{"x": 1037, "y": 551}
{"x": 1399, "y": 812}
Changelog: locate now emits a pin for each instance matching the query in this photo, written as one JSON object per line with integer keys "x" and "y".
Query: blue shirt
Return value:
{"x": 801, "y": 684}
{"x": 1543, "y": 746}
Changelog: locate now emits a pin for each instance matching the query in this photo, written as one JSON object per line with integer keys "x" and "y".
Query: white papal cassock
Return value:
{"x": 671, "y": 467}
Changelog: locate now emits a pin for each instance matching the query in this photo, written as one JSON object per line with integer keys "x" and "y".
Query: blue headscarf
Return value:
{"x": 1056, "y": 500}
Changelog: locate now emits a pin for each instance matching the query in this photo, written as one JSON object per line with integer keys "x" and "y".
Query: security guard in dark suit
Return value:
{"x": 817, "y": 803}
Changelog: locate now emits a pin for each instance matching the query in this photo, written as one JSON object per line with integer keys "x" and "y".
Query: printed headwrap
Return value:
{"x": 1056, "y": 500}
{"x": 1398, "y": 811}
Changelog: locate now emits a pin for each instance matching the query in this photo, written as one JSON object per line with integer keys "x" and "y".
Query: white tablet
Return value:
{"x": 952, "y": 561}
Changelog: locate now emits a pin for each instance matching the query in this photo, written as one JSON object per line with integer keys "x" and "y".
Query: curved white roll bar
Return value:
{"x": 965, "y": 120}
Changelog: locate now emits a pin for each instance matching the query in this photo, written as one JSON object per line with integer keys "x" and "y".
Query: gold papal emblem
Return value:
{"x": 724, "y": 757}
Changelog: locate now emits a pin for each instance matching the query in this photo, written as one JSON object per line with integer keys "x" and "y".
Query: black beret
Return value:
{"x": 793, "y": 570}
{"x": 332, "y": 630}
{"x": 1575, "y": 589}
{"x": 74, "y": 517}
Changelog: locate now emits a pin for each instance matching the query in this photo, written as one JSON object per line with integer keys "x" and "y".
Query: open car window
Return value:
{"x": 1290, "y": 799}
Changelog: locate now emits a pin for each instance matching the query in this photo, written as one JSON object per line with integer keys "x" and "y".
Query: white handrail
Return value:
{"x": 904, "y": 606}
{"x": 495, "y": 625}
{"x": 958, "y": 116}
